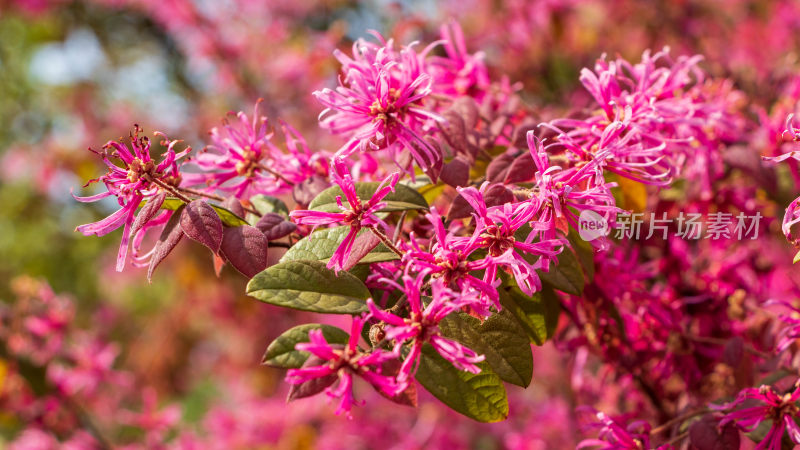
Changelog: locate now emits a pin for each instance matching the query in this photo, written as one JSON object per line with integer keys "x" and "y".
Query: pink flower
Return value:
{"x": 613, "y": 437}
{"x": 780, "y": 409}
{"x": 560, "y": 191}
{"x": 496, "y": 230}
{"x": 789, "y": 334}
{"x": 243, "y": 161}
{"x": 378, "y": 103}
{"x": 792, "y": 214}
{"x": 459, "y": 73}
{"x": 422, "y": 325}
{"x": 657, "y": 119}
{"x": 137, "y": 179}
{"x": 344, "y": 362}
{"x": 449, "y": 261}
{"x": 360, "y": 214}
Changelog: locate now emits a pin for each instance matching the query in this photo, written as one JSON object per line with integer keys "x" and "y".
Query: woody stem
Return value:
{"x": 275, "y": 174}
{"x": 385, "y": 239}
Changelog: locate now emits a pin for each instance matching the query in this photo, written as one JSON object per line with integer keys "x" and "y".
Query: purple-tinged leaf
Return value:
{"x": 733, "y": 352}
{"x": 455, "y": 131}
{"x": 306, "y": 191}
{"x": 201, "y": 223}
{"x": 409, "y": 396}
{"x": 169, "y": 238}
{"x": 245, "y": 248}
{"x": 313, "y": 386}
{"x": 467, "y": 109}
{"x": 456, "y": 172}
{"x": 519, "y": 138}
{"x": 234, "y": 205}
{"x": 431, "y": 167}
{"x": 364, "y": 243}
{"x": 148, "y": 211}
{"x": 497, "y": 170}
{"x": 495, "y": 195}
{"x": 275, "y": 226}
{"x": 522, "y": 169}
{"x": 705, "y": 434}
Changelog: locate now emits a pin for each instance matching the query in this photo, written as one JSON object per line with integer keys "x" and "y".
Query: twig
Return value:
{"x": 679, "y": 419}
{"x": 200, "y": 193}
{"x": 275, "y": 174}
{"x": 178, "y": 192}
{"x": 385, "y": 240}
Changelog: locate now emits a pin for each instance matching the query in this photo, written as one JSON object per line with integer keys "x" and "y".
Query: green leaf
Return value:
{"x": 310, "y": 286}
{"x": 567, "y": 275}
{"x": 585, "y": 253}
{"x": 538, "y": 315}
{"x": 500, "y": 338}
{"x": 265, "y": 204}
{"x": 403, "y": 198}
{"x": 480, "y": 396}
{"x": 227, "y": 217}
{"x": 321, "y": 244}
{"x": 281, "y": 352}
{"x": 431, "y": 192}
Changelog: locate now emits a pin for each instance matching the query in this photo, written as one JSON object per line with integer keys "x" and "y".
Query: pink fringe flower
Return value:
{"x": 138, "y": 178}
{"x": 344, "y": 362}
{"x": 500, "y": 231}
{"x": 378, "y": 103}
{"x": 360, "y": 214}
{"x": 422, "y": 325}
{"x": 782, "y": 410}
{"x": 243, "y": 161}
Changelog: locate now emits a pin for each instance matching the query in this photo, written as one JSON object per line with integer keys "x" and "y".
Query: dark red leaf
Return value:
{"x": 495, "y": 195}
{"x": 467, "y": 108}
{"x": 734, "y": 349}
{"x": 304, "y": 192}
{"x": 233, "y": 205}
{"x": 498, "y": 169}
{"x": 245, "y": 247}
{"x": 169, "y": 238}
{"x": 459, "y": 209}
{"x": 522, "y": 169}
{"x": 431, "y": 164}
{"x": 313, "y": 386}
{"x": 409, "y": 396}
{"x": 364, "y": 243}
{"x": 275, "y": 226}
{"x": 148, "y": 211}
{"x": 520, "y": 137}
{"x": 705, "y": 434}
{"x": 201, "y": 223}
{"x": 455, "y": 131}
{"x": 456, "y": 172}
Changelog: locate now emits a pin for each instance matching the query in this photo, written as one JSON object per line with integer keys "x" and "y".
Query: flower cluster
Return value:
{"x": 657, "y": 119}
{"x": 243, "y": 161}
{"x": 454, "y": 265}
{"x": 138, "y": 178}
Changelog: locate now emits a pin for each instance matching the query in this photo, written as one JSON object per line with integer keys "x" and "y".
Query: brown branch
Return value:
{"x": 386, "y": 241}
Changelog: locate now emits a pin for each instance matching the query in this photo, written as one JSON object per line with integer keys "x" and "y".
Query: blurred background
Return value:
{"x": 74, "y": 74}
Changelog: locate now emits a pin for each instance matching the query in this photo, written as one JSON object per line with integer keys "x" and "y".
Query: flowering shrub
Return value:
{"x": 446, "y": 229}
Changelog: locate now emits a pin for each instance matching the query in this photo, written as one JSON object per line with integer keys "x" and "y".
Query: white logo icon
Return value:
{"x": 592, "y": 225}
